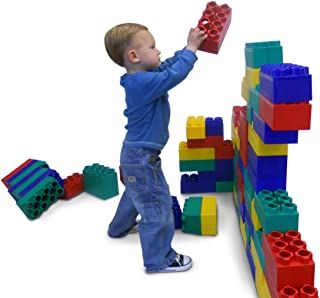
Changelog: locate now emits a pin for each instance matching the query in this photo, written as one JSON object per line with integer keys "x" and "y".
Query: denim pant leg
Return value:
{"x": 124, "y": 218}
{"x": 149, "y": 192}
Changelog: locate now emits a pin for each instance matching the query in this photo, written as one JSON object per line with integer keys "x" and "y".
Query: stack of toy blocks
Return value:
{"x": 214, "y": 22}
{"x": 34, "y": 186}
{"x": 200, "y": 215}
{"x": 206, "y": 152}
{"x": 100, "y": 181}
{"x": 278, "y": 106}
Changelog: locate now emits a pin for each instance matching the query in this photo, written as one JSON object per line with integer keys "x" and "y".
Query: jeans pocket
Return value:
{"x": 134, "y": 177}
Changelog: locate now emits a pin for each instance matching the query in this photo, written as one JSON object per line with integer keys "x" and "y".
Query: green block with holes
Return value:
{"x": 100, "y": 181}
{"x": 276, "y": 211}
{"x": 40, "y": 198}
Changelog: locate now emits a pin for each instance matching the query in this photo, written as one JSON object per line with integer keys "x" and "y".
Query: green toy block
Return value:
{"x": 276, "y": 213}
{"x": 38, "y": 164}
{"x": 247, "y": 200}
{"x": 100, "y": 181}
{"x": 249, "y": 114}
{"x": 247, "y": 183}
{"x": 197, "y": 165}
{"x": 40, "y": 198}
{"x": 257, "y": 239}
{"x": 191, "y": 215}
{"x": 254, "y": 99}
{"x": 260, "y": 53}
{"x": 224, "y": 186}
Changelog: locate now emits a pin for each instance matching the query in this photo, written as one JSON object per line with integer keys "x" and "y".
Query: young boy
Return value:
{"x": 146, "y": 84}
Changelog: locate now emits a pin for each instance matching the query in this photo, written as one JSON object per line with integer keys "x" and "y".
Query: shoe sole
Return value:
{"x": 177, "y": 269}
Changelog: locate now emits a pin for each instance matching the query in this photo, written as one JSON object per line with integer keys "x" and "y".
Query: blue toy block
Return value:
{"x": 241, "y": 165}
{"x": 271, "y": 183}
{"x": 214, "y": 127}
{"x": 251, "y": 262}
{"x": 224, "y": 169}
{"x": 249, "y": 222}
{"x": 285, "y": 83}
{"x": 198, "y": 183}
{"x": 269, "y": 136}
{"x": 242, "y": 209}
{"x": 177, "y": 213}
{"x": 268, "y": 166}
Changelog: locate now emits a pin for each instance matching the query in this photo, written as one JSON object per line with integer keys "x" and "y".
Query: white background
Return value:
{"x": 61, "y": 102}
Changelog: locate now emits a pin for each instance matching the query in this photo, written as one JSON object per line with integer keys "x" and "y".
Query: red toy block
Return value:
{"x": 215, "y": 22}
{"x": 4, "y": 180}
{"x": 289, "y": 292}
{"x": 236, "y": 115}
{"x": 288, "y": 262}
{"x": 121, "y": 175}
{"x": 225, "y": 150}
{"x": 308, "y": 291}
{"x": 208, "y": 142}
{"x": 290, "y": 116}
{"x": 243, "y": 135}
{"x": 240, "y": 184}
{"x": 73, "y": 186}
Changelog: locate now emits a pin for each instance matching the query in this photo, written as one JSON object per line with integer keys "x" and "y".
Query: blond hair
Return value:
{"x": 118, "y": 38}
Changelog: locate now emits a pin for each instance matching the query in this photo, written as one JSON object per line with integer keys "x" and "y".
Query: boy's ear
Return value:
{"x": 133, "y": 56}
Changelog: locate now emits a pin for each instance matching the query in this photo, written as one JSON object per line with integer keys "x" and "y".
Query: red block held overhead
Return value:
{"x": 215, "y": 22}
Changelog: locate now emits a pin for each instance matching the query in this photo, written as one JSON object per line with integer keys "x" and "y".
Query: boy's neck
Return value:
{"x": 134, "y": 69}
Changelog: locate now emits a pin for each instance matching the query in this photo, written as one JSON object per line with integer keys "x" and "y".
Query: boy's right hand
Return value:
{"x": 195, "y": 38}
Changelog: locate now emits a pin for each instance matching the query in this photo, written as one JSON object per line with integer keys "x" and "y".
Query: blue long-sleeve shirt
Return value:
{"x": 148, "y": 109}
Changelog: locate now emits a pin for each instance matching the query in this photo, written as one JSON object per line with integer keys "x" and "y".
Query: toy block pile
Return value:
{"x": 214, "y": 22}
{"x": 200, "y": 215}
{"x": 208, "y": 153}
{"x": 277, "y": 96}
{"x": 36, "y": 187}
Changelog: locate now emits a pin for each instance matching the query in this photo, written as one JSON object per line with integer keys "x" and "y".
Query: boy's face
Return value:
{"x": 147, "y": 53}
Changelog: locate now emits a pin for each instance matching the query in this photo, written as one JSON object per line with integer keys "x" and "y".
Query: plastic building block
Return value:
{"x": 73, "y": 186}
{"x": 254, "y": 217}
{"x": 100, "y": 181}
{"x": 288, "y": 116}
{"x": 191, "y": 220}
{"x": 248, "y": 222}
{"x": 40, "y": 198}
{"x": 252, "y": 76}
{"x": 249, "y": 114}
{"x": 186, "y": 153}
{"x": 288, "y": 262}
{"x": 257, "y": 240}
{"x": 209, "y": 141}
{"x": 215, "y": 22}
{"x": 243, "y": 232}
{"x": 268, "y": 166}
{"x": 276, "y": 213}
{"x": 285, "y": 83}
{"x": 308, "y": 291}
{"x": 243, "y": 135}
{"x": 15, "y": 171}
{"x": 17, "y": 175}
{"x": 197, "y": 165}
{"x": 236, "y": 115}
{"x": 198, "y": 183}
{"x": 214, "y": 126}
{"x": 269, "y": 136}
{"x": 224, "y": 186}
{"x": 245, "y": 89}
{"x": 196, "y": 127}
{"x": 235, "y": 138}
{"x": 254, "y": 99}
{"x": 224, "y": 169}
{"x": 260, "y": 53}
{"x": 251, "y": 263}
{"x": 176, "y": 213}
{"x": 209, "y": 216}
{"x": 262, "y": 149}
{"x": 121, "y": 175}
{"x": 225, "y": 150}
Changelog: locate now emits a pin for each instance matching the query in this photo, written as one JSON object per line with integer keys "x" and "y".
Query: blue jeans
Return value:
{"x": 147, "y": 193}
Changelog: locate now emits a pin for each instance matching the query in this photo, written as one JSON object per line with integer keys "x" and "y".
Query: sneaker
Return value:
{"x": 180, "y": 263}
{"x": 134, "y": 229}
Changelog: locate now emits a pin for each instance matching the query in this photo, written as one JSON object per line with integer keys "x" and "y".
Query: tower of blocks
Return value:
{"x": 207, "y": 153}
{"x": 277, "y": 96}
{"x": 214, "y": 22}
{"x": 35, "y": 187}
{"x": 200, "y": 215}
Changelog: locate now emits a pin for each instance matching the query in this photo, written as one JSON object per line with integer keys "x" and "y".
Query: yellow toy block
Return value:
{"x": 252, "y": 76}
{"x": 235, "y": 137}
{"x": 255, "y": 257}
{"x": 209, "y": 216}
{"x": 254, "y": 217}
{"x": 261, "y": 284}
{"x": 196, "y": 128}
{"x": 243, "y": 232}
{"x": 262, "y": 149}
{"x": 186, "y": 153}
{"x": 245, "y": 89}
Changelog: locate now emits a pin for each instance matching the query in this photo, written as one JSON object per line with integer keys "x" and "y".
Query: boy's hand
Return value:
{"x": 195, "y": 38}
